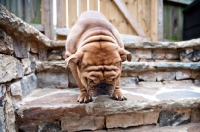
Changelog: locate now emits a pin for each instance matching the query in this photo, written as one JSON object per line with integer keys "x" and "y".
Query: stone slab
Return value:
{"x": 144, "y": 53}
{"x": 49, "y": 127}
{"x": 33, "y": 47}
{"x": 28, "y": 84}
{"x": 20, "y": 48}
{"x": 16, "y": 89}
{"x": 124, "y": 121}
{"x": 195, "y": 114}
{"x": 150, "y": 118}
{"x": 2, "y": 120}
{"x": 52, "y": 79}
{"x": 44, "y": 103}
{"x": 6, "y": 43}
{"x": 76, "y": 123}
{"x": 10, "y": 68}
{"x": 165, "y": 76}
{"x": 26, "y": 66}
{"x": 128, "y": 81}
{"x": 54, "y": 55}
{"x": 180, "y": 75}
{"x": 158, "y": 54}
{"x": 150, "y": 84}
{"x": 148, "y": 76}
{"x": 178, "y": 95}
{"x": 172, "y": 55}
{"x": 174, "y": 118}
{"x": 33, "y": 63}
{"x": 191, "y": 127}
{"x": 28, "y": 127}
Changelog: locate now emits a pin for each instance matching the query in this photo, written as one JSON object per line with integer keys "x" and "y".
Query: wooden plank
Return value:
{"x": 174, "y": 23}
{"x": 62, "y": 31}
{"x": 114, "y": 15}
{"x": 49, "y": 30}
{"x": 104, "y": 8}
{"x": 61, "y": 17}
{"x": 134, "y": 38}
{"x": 154, "y": 20}
{"x": 42, "y": 12}
{"x": 160, "y": 20}
{"x": 144, "y": 19}
{"x": 8, "y": 5}
{"x": 93, "y": 5}
{"x": 72, "y": 12}
{"x": 32, "y": 11}
{"x": 82, "y": 6}
{"x": 20, "y": 9}
{"x": 165, "y": 22}
{"x": 13, "y": 7}
{"x": 121, "y": 22}
{"x": 132, "y": 6}
{"x": 61, "y": 13}
{"x": 128, "y": 16}
{"x": 3, "y": 2}
{"x": 180, "y": 25}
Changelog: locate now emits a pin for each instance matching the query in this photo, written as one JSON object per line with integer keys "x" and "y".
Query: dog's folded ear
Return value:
{"x": 125, "y": 55}
{"x": 74, "y": 58}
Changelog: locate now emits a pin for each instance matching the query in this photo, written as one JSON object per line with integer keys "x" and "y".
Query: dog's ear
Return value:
{"x": 75, "y": 58}
{"x": 125, "y": 55}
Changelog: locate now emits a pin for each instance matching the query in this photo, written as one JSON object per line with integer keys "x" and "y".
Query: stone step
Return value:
{"x": 126, "y": 66}
{"x": 191, "y": 127}
{"x": 168, "y": 105}
{"x": 186, "y": 51}
{"x": 133, "y": 73}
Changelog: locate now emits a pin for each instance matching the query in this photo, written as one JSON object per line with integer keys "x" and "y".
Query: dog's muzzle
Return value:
{"x": 102, "y": 88}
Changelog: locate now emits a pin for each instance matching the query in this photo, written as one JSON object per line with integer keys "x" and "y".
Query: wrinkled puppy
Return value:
{"x": 95, "y": 52}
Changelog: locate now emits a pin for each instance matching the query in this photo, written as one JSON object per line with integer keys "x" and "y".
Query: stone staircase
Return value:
{"x": 162, "y": 84}
{"x": 161, "y": 97}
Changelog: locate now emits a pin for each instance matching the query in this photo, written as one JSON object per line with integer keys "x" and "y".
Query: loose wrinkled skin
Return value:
{"x": 95, "y": 52}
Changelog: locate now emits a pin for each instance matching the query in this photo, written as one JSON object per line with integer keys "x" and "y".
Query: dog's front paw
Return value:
{"x": 118, "y": 95}
{"x": 84, "y": 97}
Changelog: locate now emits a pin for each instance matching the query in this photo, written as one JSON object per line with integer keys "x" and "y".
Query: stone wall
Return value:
{"x": 17, "y": 76}
{"x": 17, "y": 70}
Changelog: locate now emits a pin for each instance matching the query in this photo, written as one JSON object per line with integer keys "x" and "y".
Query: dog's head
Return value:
{"x": 99, "y": 64}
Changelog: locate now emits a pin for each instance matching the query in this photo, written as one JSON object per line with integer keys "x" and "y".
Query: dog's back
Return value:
{"x": 89, "y": 24}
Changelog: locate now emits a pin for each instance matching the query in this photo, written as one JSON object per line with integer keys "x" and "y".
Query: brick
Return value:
{"x": 166, "y": 76}
{"x": 77, "y": 123}
{"x": 185, "y": 74}
{"x": 124, "y": 120}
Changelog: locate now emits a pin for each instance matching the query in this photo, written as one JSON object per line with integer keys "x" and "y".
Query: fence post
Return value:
{"x": 156, "y": 20}
{"x": 48, "y": 18}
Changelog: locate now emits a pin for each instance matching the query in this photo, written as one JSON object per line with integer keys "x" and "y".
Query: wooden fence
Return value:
{"x": 28, "y": 10}
{"x": 141, "y": 18}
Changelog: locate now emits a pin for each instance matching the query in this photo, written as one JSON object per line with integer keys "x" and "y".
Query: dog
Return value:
{"x": 95, "y": 52}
